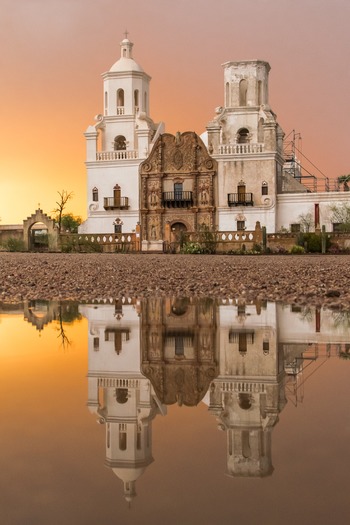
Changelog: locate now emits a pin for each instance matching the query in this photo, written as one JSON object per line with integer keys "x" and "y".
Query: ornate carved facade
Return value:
{"x": 178, "y": 182}
{"x": 179, "y": 349}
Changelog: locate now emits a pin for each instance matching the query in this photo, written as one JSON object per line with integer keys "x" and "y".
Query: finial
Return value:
{"x": 126, "y": 33}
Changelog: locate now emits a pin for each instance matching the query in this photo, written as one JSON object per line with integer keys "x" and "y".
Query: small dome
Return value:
{"x": 126, "y": 65}
{"x": 128, "y": 474}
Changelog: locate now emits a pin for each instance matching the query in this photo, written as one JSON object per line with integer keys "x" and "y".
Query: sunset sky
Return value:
{"x": 54, "y": 52}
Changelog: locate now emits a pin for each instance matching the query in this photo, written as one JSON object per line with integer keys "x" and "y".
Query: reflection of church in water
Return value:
{"x": 242, "y": 360}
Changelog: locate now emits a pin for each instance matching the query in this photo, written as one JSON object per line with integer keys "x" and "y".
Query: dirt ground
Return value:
{"x": 321, "y": 280}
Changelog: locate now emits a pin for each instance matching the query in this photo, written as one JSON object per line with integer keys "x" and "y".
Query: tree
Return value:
{"x": 344, "y": 179}
{"x": 70, "y": 222}
{"x": 341, "y": 216}
{"x": 64, "y": 197}
{"x": 306, "y": 222}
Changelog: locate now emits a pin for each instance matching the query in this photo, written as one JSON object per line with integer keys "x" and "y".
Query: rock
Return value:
{"x": 308, "y": 279}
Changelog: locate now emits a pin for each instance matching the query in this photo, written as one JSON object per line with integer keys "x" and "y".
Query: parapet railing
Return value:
{"x": 122, "y": 154}
{"x": 100, "y": 242}
{"x": 241, "y": 149}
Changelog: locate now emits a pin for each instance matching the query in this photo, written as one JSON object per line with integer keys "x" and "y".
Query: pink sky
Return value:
{"x": 54, "y": 51}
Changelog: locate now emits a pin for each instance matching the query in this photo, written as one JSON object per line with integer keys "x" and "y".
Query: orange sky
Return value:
{"x": 54, "y": 51}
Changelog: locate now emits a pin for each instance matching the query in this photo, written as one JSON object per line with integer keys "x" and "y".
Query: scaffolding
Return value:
{"x": 302, "y": 169}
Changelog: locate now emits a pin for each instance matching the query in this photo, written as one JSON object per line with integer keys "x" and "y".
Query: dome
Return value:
{"x": 126, "y": 65}
{"x": 128, "y": 474}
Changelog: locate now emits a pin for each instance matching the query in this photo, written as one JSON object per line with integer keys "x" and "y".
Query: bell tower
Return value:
{"x": 246, "y": 83}
{"x": 246, "y": 140}
{"x": 122, "y": 137}
{"x": 126, "y": 97}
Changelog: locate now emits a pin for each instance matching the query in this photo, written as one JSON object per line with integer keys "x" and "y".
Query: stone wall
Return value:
{"x": 10, "y": 231}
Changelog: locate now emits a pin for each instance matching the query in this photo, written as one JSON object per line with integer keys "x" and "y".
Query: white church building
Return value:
{"x": 235, "y": 175}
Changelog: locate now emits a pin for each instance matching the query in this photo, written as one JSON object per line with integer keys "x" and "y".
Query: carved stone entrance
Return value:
{"x": 52, "y": 231}
{"x": 177, "y": 188}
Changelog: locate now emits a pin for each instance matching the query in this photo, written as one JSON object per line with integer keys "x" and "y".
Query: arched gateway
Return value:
{"x": 52, "y": 231}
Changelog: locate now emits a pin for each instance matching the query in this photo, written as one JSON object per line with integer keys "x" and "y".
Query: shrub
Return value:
{"x": 278, "y": 250}
{"x": 334, "y": 249}
{"x": 14, "y": 245}
{"x": 296, "y": 249}
{"x": 74, "y": 244}
{"x": 191, "y": 247}
{"x": 312, "y": 242}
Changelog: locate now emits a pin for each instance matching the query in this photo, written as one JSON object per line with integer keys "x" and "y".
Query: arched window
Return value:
{"x": 121, "y": 395}
{"x": 243, "y": 87}
{"x": 261, "y": 130}
{"x": 118, "y": 225}
{"x": 139, "y": 438}
{"x": 227, "y": 95}
{"x": 106, "y": 103}
{"x": 245, "y": 401}
{"x": 120, "y": 98}
{"x": 264, "y": 188}
{"x": 145, "y": 102}
{"x": 108, "y": 435}
{"x": 136, "y": 99}
{"x": 119, "y": 143}
{"x": 243, "y": 136}
{"x": 260, "y": 92}
{"x": 122, "y": 436}
{"x": 95, "y": 194}
{"x": 246, "y": 450}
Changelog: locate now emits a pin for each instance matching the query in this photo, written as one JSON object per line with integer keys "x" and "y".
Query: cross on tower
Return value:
{"x": 126, "y": 33}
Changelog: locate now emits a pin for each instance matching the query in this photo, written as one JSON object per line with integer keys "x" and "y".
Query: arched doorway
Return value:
{"x": 38, "y": 237}
{"x": 177, "y": 230}
{"x": 177, "y": 237}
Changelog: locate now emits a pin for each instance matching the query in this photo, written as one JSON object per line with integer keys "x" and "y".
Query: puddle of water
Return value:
{"x": 174, "y": 410}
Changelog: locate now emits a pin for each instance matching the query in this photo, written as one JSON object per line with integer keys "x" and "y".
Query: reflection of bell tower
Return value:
{"x": 127, "y": 412}
{"x": 120, "y": 396}
{"x": 248, "y": 394}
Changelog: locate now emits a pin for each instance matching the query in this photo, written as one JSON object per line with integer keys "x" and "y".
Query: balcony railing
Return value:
{"x": 177, "y": 199}
{"x": 240, "y": 199}
{"x": 110, "y": 203}
{"x": 241, "y": 149}
{"x": 121, "y": 154}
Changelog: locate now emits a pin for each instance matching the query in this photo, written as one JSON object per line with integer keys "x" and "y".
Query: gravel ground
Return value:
{"x": 307, "y": 279}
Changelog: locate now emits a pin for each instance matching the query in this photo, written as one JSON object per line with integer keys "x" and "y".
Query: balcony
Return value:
{"x": 110, "y": 203}
{"x": 177, "y": 199}
{"x": 121, "y": 154}
{"x": 240, "y": 199}
{"x": 247, "y": 148}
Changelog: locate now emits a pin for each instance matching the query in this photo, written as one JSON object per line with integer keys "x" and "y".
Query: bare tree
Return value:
{"x": 341, "y": 215}
{"x": 64, "y": 197}
{"x": 306, "y": 222}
